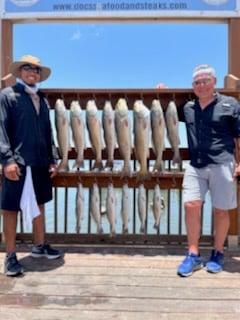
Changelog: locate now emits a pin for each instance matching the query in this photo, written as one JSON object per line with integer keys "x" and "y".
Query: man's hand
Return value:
{"x": 12, "y": 171}
{"x": 53, "y": 169}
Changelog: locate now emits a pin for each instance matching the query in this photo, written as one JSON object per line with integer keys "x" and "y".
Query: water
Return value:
{"x": 169, "y": 220}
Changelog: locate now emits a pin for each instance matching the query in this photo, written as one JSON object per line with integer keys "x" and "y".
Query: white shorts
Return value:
{"x": 215, "y": 178}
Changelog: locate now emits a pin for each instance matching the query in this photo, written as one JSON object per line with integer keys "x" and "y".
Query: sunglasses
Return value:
{"x": 28, "y": 67}
{"x": 202, "y": 81}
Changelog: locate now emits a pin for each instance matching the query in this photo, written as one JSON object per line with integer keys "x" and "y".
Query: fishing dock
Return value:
{"x": 116, "y": 282}
{"x": 127, "y": 276}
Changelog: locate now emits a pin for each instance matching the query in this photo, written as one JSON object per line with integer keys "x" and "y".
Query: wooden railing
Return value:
{"x": 60, "y": 222}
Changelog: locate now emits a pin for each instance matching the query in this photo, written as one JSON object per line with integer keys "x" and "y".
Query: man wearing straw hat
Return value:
{"x": 28, "y": 157}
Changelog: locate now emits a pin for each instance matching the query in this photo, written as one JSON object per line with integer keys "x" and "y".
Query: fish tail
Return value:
{"x": 156, "y": 226}
{"x": 77, "y": 228}
{"x": 112, "y": 232}
{"x": 176, "y": 158}
{"x": 109, "y": 164}
{"x": 78, "y": 164}
{"x": 126, "y": 170}
{"x": 158, "y": 166}
{"x": 125, "y": 229}
{"x": 98, "y": 165}
{"x": 99, "y": 229}
{"x": 142, "y": 228}
{"x": 63, "y": 166}
{"x": 143, "y": 175}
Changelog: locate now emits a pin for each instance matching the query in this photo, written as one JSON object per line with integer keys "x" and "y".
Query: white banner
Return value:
{"x": 119, "y": 8}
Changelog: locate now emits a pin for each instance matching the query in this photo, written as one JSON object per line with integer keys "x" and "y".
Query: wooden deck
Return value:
{"x": 133, "y": 283}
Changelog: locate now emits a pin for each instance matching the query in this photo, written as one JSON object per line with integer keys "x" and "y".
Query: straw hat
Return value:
{"x": 16, "y": 65}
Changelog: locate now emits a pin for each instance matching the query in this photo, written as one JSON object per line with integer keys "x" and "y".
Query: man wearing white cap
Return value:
{"x": 213, "y": 131}
{"x": 28, "y": 157}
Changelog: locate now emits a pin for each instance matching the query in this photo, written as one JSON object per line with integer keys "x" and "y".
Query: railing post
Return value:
{"x": 233, "y": 230}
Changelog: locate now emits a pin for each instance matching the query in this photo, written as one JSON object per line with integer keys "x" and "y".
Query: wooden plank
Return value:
{"x": 71, "y": 313}
{"x": 233, "y": 46}
{"x": 180, "y": 96}
{"x": 119, "y": 282}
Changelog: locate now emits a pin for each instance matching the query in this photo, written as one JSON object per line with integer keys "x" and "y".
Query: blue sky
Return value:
{"x": 123, "y": 55}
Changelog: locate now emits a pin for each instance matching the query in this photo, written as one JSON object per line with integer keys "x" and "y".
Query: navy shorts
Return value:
{"x": 12, "y": 190}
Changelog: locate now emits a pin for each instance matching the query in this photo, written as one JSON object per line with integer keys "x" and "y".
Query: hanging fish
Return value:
{"x": 141, "y": 137}
{"x": 62, "y": 130}
{"x": 79, "y": 210}
{"x": 157, "y": 206}
{"x": 158, "y": 133}
{"x": 94, "y": 127}
{"x": 172, "y": 125}
{"x": 95, "y": 207}
{"x": 111, "y": 208}
{"x": 125, "y": 208}
{"x": 78, "y": 133}
{"x": 109, "y": 133}
{"x": 142, "y": 210}
{"x": 123, "y": 133}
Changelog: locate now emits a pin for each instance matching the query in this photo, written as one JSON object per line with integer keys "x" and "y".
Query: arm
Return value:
{"x": 6, "y": 153}
{"x": 10, "y": 167}
{"x": 236, "y": 172}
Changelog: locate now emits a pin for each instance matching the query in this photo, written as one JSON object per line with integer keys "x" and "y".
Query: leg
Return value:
{"x": 11, "y": 265}
{"x": 41, "y": 249}
{"x": 39, "y": 226}
{"x": 9, "y": 229}
{"x": 195, "y": 187}
{"x": 193, "y": 224}
{"x": 221, "y": 227}
{"x": 193, "y": 261}
{"x": 223, "y": 194}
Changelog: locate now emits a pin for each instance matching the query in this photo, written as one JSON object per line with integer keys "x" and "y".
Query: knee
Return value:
{"x": 220, "y": 213}
{"x": 193, "y": 204}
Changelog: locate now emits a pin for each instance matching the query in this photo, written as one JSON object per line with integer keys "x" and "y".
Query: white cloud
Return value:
{"x": 76, "y": 36}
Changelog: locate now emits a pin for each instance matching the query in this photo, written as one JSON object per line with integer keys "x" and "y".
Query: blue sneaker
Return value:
{"x": 215, "y": 263}
{"x": 191, "y": 263}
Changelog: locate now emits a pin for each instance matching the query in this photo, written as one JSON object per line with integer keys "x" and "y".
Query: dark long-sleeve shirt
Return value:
{"x": 25, "y": 136}
{"x": 211, "y": 131}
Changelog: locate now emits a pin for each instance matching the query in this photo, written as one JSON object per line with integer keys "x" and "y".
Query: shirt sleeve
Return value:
{"x": 6, "y": 154}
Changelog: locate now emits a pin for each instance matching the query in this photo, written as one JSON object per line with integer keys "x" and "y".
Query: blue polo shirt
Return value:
{"x": 211, "y": 131}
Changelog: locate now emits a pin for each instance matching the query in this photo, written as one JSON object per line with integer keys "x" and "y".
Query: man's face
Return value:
{"x": 203, "y": 86}
{"x": 30, "y": 74}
